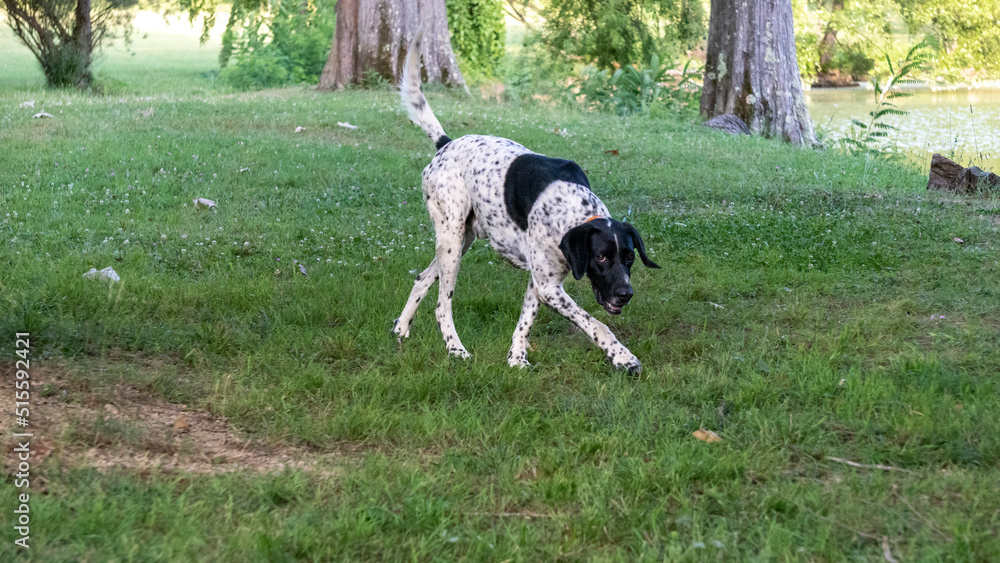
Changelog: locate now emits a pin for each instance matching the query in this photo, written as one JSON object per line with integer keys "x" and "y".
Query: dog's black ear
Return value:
{"x": 637, "y": 244}
{"x": 575, "y": 246}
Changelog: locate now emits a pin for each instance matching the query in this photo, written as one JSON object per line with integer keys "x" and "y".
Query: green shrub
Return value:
{"x": 262, "y": 70}
{"x": 615, "y": 33}
{"x": 276, "y": 43}
{"x": 531, "y": 69}
{"x": 636, "y": 89}
{"x": 478, "y": 35}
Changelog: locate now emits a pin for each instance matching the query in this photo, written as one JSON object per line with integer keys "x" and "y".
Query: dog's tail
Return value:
{"x": 413, "y": 96}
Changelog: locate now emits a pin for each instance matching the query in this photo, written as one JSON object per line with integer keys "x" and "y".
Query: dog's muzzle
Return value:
{"x": 616, "y": 302}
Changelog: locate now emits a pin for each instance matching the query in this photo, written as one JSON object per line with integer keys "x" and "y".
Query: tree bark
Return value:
{"x": 83, "y": 36}
{"x": 373, "y": 35}
{"x": 341, "y": 66}
{"x": 829, "y": 41}
{"x": 752, "y": 71}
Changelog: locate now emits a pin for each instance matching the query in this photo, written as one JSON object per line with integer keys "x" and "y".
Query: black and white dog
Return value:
{"x": 537, "y": 212}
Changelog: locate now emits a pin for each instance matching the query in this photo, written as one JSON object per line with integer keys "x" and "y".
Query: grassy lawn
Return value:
{"x": 812, "y": 308}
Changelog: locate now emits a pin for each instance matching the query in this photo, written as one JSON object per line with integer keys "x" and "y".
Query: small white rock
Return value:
{"x": 107, "y": 274}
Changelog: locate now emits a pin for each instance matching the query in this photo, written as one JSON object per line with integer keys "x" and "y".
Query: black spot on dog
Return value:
{"x": 529, "y": 175}
{"x": 442, "y": 141}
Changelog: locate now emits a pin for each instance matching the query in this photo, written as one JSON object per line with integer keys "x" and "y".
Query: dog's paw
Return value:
{"x": 400, "y": 331}
{"x": 628, "y": 363}
{"x": 518, "y": 359}
{"x": 519, "y": 363}
{"x": 460, "y": 353}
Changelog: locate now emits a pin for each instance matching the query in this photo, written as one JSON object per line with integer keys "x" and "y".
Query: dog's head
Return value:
{"x": 604, "y": 250}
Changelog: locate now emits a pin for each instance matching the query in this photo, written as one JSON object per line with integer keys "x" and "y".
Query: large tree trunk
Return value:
{"x": 373, "y": 35}
{"x": 84, "y": 42}
{"x": 751, "y": 69}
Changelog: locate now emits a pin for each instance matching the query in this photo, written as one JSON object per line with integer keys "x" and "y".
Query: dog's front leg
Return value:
{"x": 518, "y": 356}
{"x": 553, "y": 295}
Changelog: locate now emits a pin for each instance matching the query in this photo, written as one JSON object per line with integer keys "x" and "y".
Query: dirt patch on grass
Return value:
{"x": 124, "y": 427}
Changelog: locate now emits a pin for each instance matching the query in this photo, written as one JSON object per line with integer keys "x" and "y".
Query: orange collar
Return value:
{"x": 592, "y": 217}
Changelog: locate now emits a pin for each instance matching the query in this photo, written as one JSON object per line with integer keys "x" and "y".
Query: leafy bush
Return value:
{"x": 478, "y": 35}
{"x": 965, "y": 35}
{"x": 615, "y": 33}
{"x": 635, "y": 89}
{"x": 262, "y": 70}
{"x": 530, "y": 71}
{"x": 276, "y": 43}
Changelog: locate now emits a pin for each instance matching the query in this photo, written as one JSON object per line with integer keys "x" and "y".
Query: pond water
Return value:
{"x": 961, "y": 124}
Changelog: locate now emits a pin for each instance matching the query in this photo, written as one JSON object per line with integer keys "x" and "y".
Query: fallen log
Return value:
{"x": 950, "y": 176}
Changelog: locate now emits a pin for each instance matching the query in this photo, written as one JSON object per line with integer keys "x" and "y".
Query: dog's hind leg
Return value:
{"x": 453, "y": 238}
{"x": 420, "y": 288}
{"x": 423, "y": 283}
{"x": 518, "y": 355}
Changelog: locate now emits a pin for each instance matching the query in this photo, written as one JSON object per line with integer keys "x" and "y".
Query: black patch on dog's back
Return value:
{"x": 441, "y": 142}
{"x": 529, "y": 175}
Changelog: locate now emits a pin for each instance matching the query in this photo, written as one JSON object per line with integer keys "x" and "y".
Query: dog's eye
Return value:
{"x": 630, "y": 257}
{"x": 602, "y": 258}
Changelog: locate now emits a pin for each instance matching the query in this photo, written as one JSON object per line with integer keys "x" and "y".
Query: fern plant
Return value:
{"x": 871, "y": 137}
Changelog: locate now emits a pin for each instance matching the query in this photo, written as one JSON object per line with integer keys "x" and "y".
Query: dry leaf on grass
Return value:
{"x": 300, "y": 129}
{"x": 41, "y": 114}
{"x": 958, "y": 240}
{"x": 202, "y": 203}
{"x": 28, "y": 104}
{"x": 182, "y": 424}
{"x": 706, "y": 435}
{"x": 346, "y": 125}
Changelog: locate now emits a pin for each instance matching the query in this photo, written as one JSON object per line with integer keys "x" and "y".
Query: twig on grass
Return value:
{"x": 526, "y": 514}
{"x": 895, "y": 491}
{"x": 842, "y": 525}
{"x": 886, "y": 552}
{"x": 866, "y": 466}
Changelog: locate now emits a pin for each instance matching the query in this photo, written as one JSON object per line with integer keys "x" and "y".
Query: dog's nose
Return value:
{"x": 624, "y": 294}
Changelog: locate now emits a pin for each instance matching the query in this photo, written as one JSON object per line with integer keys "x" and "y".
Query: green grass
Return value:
{"x": 811, "y": 305}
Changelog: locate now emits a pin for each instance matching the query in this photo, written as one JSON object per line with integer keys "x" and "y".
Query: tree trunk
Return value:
{"x": 829, "y": 42}
{"x": 83, "y": 36}
{"x": 752, "y": 71}
{"x": 373, "y": 35}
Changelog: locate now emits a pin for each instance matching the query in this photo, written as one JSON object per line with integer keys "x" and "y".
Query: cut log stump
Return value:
{"x": 950, "y": 176}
